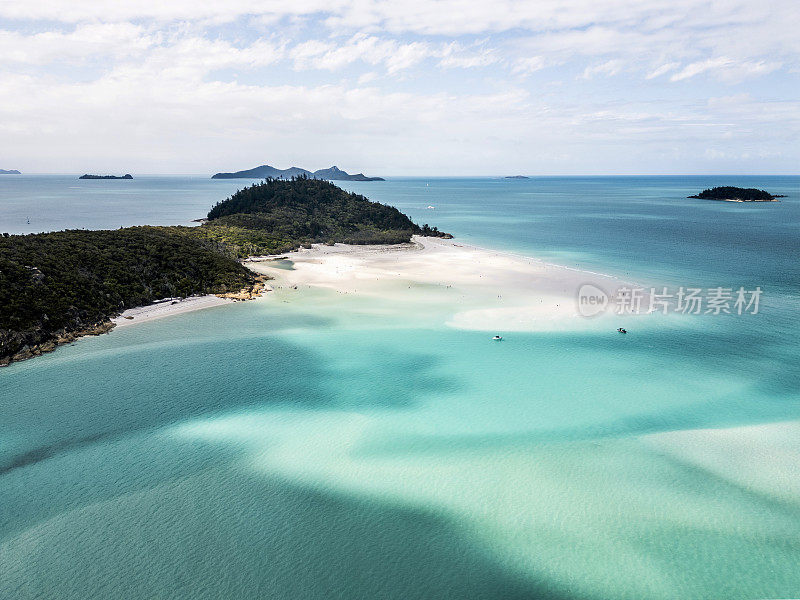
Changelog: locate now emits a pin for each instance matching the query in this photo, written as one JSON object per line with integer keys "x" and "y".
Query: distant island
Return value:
{"x": 265, "y": 171}
{"x": 9, "y": 172}
{"x": 126, "y": 176}
{"x": 737, "y": 194}
{"x": 55, "y": 287}
{"x": 516, "y": 177}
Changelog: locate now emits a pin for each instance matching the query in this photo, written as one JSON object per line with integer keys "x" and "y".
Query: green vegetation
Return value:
{"x": 279, "y": 215}
{"x": 57, "y": 286}
{"x": 736, "y": 194}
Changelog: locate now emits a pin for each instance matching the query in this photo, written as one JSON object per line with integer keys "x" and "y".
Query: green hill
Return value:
{"x": 57, "y": 286}
{"x": 279, "y": 215}
{"x": 54, "y": 286}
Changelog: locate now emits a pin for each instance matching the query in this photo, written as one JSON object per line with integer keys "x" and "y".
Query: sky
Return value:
{"x": 412, "y": 87}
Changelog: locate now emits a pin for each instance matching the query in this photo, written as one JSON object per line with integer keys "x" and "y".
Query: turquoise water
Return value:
{"x": 305, "y": 450}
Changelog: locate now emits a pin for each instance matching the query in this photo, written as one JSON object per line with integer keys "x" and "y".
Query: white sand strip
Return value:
{"x": 142, "y": 314}
{"x": 479, "y": 288}
{"x": 463, "y": 286}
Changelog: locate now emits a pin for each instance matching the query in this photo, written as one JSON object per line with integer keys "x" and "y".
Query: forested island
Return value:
{"x": 55, "y": 287}
{"x": 87, "y": 176}
{"x": 9, "y": 172}
{"x": 737, "y": 194}
{"x": 265, "y": 171}
{"x": 279, "y": 215}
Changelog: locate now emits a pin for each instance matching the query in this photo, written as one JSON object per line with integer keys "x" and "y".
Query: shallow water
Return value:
{"x": 303, "y": 449}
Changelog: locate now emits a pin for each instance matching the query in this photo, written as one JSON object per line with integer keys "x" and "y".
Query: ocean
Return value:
{"x": 298, "y": 450}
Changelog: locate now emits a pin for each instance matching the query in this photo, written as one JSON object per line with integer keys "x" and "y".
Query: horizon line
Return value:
{"x": 448, "y": 176}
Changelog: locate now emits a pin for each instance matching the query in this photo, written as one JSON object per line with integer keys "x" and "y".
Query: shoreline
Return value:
{"x": 467, "y": 286}
{"x": 775, "y": 199}
{"x": 421, "y": 262}
{"x": 177, "y": 306}
{"x": 140, "y": 314}
{"x": 441, "y": 281}
{"x": 159, "y": 310}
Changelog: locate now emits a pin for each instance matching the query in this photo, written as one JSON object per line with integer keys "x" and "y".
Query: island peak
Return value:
{"x": 333, "y": 173}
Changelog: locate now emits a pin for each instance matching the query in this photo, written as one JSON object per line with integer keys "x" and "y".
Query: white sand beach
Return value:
{"x": 468, "y": 286}
{"x": 142, "y": 314}
{"x": 481, "y": 289}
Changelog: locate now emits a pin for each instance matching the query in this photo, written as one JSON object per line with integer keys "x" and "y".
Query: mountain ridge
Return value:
{"x": 333, "y": 173}
{"x": 89, "y": 176}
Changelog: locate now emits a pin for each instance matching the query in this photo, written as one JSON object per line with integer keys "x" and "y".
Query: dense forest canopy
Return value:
{"x": 52, "y": 284}
{"x": 314, "y": 199}
{"x": 736, "y": 193}
{"x": 278, "y": 215}
{"x": 56, "y": 285}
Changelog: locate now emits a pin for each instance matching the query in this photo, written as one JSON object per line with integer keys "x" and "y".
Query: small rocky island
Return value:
{"x": 516, "y": 177}
{"x": 87, "y": 176}
{"x": 737, "y": 194}
{"x": 9, "y": 172}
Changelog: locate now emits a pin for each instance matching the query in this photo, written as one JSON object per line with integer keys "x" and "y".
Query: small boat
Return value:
{"x": 621, "y": 330}
{"x": 497, "y": 338}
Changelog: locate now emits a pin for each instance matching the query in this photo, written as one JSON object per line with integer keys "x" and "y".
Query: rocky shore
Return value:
{"x": 248, "y": 293}
{"x": 62, "y": 337}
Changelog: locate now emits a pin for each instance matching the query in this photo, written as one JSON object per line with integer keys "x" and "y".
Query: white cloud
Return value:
{"x": 73, "y": 11}
{"x": 407, "y": 55}
{"x": 365, "y": 78}
{"x": 315, "y": 54}
{"x": 726, "y": 68}
{"x": 433, "y": 80}
{"x": 529, "y": 64}
{"x": 125, "y": 44}
{"x": 665, "y": 68}
{"x": 85, "y": 41}
{"x": 455, "y": 55}
{"x": 607, "y": 69}
{"x": 701, "y": 67}
{"x": 689, "y": 32}
{"x": 395, "y": 56}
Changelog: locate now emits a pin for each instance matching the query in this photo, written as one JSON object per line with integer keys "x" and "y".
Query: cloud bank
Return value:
{"x": 422, "y": 87}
